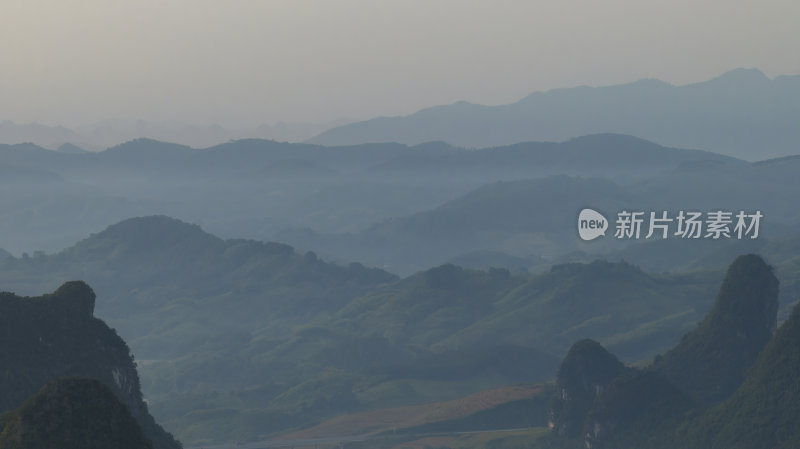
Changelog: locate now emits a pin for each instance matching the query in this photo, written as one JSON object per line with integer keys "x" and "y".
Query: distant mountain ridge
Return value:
{"x": 533, "y": 218}
{"x": 608, "y": 153}
{"x": 741, "y": 113}
{"x": 280, "y": 186}
{"x": 101, "y": 135}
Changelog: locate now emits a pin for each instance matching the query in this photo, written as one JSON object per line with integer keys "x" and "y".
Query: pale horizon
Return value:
{"x": 247, "y": 63}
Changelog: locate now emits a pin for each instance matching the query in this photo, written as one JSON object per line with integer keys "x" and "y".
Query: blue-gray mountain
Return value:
{"x": 258, "y": 188}
{"x": 537, "y": 218}
{"x": 741, "y": 113}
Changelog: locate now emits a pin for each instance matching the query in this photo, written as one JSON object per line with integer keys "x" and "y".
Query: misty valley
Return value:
{"x": 344, "y": 293}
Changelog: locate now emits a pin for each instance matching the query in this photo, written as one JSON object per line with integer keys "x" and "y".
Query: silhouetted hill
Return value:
{"x": 741, "y": 113}
{"x": 710, "y": 362}
{"x": 764, "y": 411}
{"x": 585, "y": 372}
{"x": 659, "y": 405}
{"x": 73, "y": 413}
{"x": 761, "y": 413}
{"x": 56, "y": 335}
{"x": 616, "y": 156}
{"x": 144, "y": 154}
{"x": 152, "y": 263}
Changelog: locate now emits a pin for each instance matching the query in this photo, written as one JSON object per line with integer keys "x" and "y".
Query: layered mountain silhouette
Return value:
{"x": 536, "y": 217}
{"x": 741, "y": 113}
{"x": 103, "y": 134}
{"x": 361, "y": 202}
{"x": 295, "y": 338}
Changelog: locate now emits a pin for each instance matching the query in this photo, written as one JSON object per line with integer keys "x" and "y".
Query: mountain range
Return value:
{"x": 217, "y": 324}
{"x": 741, "y": 113}
{"x": 280, "y": 187}
{"x": 107, "y": 133}
{"x": 536, "y": 218}
{"x": 291, "y": 328}
{"x": 240, "y": 339}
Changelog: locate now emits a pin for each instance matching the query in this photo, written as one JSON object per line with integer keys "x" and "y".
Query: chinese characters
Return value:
{"x": 688, "y": 225}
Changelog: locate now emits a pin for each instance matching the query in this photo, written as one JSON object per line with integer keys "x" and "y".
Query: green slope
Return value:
{"x": 237, "y": 339}
{"x": 73, "y": 413}
{"x": 711, "y": 361}
{"x": 765, "y": 410}
{"x": 667, "y": 404}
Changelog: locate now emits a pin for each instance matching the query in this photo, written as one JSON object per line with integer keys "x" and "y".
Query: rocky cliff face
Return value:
{"x": 585, "y": 373}
{"x": 56, "y": 335}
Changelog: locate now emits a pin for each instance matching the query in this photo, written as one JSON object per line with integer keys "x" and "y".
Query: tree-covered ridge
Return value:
{"x": 765, "y": 411}
{"x": 56, "y": 335}
{"x": 153, "y": 271}
{"x": 214, "y": 321}
{"x": 711, "y": 361}
{"x": 72, "y": 413}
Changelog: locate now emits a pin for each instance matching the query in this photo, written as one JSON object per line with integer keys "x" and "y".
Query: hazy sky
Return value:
{"x": 247, "y": 62}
